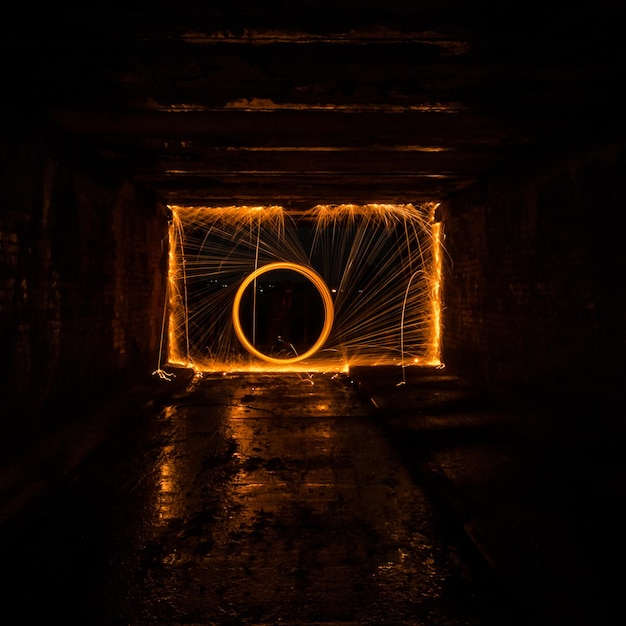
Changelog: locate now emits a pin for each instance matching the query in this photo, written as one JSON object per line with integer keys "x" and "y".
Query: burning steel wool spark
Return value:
{"x": 263, "y": 288}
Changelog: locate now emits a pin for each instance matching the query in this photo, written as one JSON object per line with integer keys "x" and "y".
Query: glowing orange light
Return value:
{"x": 383, "y": 261}
{"x": 436, "y": 296}
{"x": 316, "y": 279}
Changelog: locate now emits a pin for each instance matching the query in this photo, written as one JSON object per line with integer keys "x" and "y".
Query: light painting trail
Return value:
{"x": 364, "y": 285}
{"x": 328, "y": 312}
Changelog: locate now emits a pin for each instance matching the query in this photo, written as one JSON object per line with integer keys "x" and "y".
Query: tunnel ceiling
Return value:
{"x": 298, "y": 103}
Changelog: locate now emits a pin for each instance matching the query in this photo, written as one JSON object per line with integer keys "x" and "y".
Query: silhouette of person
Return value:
{"x": 281, "y": 314}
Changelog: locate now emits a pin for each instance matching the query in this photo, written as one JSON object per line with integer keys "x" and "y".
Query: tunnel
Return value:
{"x": 428, "y": 430}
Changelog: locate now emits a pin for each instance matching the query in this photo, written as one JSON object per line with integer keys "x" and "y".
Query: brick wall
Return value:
{"x": 533, "y": 287}
{"x": 82, "y": 273}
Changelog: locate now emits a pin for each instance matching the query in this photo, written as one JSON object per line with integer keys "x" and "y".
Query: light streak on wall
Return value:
{"x": 381, "y": 262}
{"x": 436, "y": 274}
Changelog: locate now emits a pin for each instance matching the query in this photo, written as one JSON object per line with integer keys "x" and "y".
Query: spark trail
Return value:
{"x": 382, "y": 264}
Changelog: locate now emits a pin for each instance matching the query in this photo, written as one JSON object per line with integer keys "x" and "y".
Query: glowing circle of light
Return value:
{"x": 322, "y": 289}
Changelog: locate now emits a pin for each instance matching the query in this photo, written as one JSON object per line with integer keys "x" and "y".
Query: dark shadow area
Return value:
{"x": 286, "y": 316}
{"x": 531, "y": 488}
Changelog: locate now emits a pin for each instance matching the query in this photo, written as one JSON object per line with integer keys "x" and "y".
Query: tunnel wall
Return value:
{"x": 534, "y": 274}
{"x": 82, "y": 274}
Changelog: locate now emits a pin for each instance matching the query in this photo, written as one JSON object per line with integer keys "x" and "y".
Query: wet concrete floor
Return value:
{"x": 244, "y": 499}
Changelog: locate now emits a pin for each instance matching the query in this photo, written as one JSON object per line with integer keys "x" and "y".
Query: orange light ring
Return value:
{"x": 323, "y": 290}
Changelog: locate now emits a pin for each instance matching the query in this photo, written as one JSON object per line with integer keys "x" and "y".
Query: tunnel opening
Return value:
{"x": 271, "y": 289}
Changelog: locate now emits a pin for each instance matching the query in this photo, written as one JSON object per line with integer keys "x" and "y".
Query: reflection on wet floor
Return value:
{"x": 260, "y": 499}
{"x": 302, "y": 513}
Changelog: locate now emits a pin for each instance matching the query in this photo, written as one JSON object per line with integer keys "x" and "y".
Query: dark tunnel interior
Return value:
{"x": 344, "y": 278}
